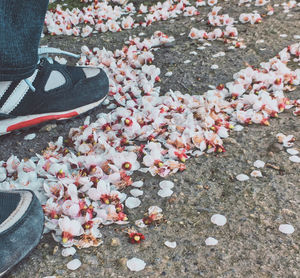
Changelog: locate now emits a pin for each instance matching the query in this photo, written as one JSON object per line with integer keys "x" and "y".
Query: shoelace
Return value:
{"x": 43, "y": 53}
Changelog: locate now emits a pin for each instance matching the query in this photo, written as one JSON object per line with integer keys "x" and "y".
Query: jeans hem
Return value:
{"x": 13, "y": 74}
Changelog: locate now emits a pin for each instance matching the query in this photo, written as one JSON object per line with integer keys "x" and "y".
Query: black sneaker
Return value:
{"x": 53, "y": 92}
{"x": 21, "y": 226}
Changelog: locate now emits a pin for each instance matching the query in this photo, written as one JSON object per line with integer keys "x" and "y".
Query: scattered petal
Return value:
{"x": 238, "y": 128}
{"x": 169, "y": 73}
{"x": 165, "y": 192}
{"x": 74, "y": 264}
{"x": 256, "y": 174}
{"x": 295, "y": 158}
{"x": 286, "y": 229}
{"x": 136, "y": 192}
{"x": 132, "y": 202}
{"x": 68, "y": 251}
{"x": 140, "y": 223}
{"x": 171, "y": 244}
{"x": 211, "y": 241}
{"x": 166, "y": 184}
{"x": 30, "y": 136}
{"x": 218, "y": 219}
{"x": 242, "y": 177}
{"x": 292, "y": 151}
{"x": 138, "y": 184}
{"x": 259, "y": 164}
{"x": 136, "y": 264}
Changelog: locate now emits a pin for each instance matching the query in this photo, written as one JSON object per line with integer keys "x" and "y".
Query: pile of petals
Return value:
{"x": 81, "y": 182}
{"x": 104, "y": 17}
{"x": 214, "y": 19}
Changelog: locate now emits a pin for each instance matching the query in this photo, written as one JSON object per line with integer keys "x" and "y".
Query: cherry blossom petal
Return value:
{"x": 68, "y": 251}
{"x": 295, "y": 158}
{"x": 136, "y": 192}
{"x": 74, "y": 264}
{"x": 286, "y": 229}
{"x": 165, "y": 192}
{"x": 138, "y": 184}
{"x": 211, "y": 241}
{"x": 256, "y": 174}
{"x": 218, "y": 219}
{"x": 171, "y": 244}
{"x": 165, "y": 184}
{"x": 136, "y": 264}
{"x": 292, "y": 151}
{"x": 242, "y": 177}
{"x": 132, "y": 202}
{"x": 30, "y": 136}
{"x": 259, "y": 164}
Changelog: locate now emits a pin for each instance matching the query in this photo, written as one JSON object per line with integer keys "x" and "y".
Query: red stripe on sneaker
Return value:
{"x": 40, "y": 120}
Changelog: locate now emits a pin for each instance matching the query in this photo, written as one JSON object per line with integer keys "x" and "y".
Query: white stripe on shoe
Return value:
{"x": 17, "y": 95}
{"x": 4, "y": 85}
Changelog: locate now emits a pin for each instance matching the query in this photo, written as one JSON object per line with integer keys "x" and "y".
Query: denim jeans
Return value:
{"x": 21, "y": 23}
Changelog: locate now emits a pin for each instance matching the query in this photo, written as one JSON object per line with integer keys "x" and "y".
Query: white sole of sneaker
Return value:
{"x": 1, "y": 274}
{"x": 9, "y": 125}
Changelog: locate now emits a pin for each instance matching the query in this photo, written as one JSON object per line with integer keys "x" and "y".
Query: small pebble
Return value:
{"x": 115, "y": 242}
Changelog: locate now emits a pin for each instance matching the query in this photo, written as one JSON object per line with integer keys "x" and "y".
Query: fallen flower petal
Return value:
{"x": 171, "y": 244}
{"x": 136, "y": 264}
{"x": 74, "y": 264}
{"x": 218, "y": 219}
{"x": 286, "y": 229}
{"x": 211, "y": 241}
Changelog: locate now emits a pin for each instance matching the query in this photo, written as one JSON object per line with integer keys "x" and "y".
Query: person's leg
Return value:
{"x": 34, "y": 90}
{"x": 21, "y": 24}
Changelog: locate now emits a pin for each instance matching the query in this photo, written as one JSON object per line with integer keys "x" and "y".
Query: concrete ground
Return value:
{"x": 250, "y": 244}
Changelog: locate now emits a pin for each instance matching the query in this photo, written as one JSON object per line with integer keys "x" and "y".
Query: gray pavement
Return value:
{"x": 250, "y": 244}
